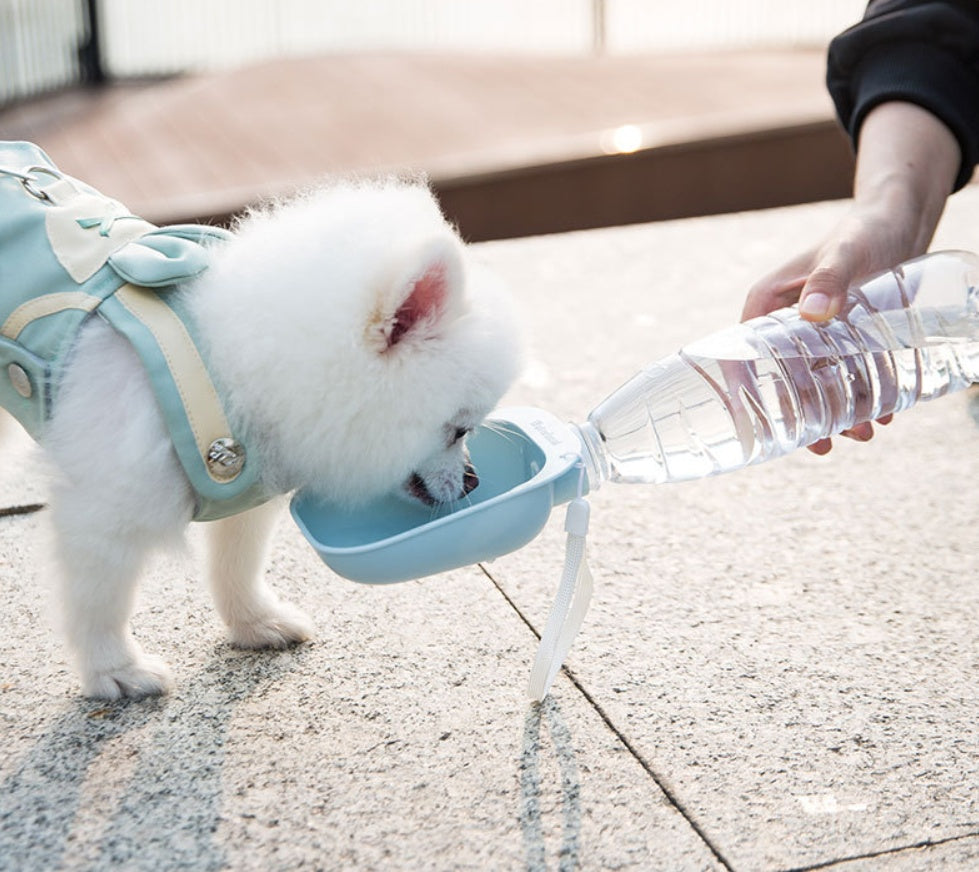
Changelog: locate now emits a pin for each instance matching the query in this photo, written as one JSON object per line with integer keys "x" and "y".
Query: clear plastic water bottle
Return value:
{"x": 761, "y": 389}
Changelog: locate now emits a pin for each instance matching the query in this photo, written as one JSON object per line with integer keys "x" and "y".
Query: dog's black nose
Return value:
{"x": 469, "y": 479}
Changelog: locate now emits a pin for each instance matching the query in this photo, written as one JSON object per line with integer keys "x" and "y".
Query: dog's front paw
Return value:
{"x": 279, "y": 626}
{"x": 145, "y": 676}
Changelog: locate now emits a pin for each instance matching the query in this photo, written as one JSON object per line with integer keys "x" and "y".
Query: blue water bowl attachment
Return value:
{"x": 528, "y": 462}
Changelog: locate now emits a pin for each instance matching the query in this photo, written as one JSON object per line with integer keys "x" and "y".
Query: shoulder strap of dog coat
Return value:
{"x": 67, "y": 252}
{"x": 215, "y": 460}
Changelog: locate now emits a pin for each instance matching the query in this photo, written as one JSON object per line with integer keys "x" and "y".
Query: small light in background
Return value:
{"x": 622, "y": 140}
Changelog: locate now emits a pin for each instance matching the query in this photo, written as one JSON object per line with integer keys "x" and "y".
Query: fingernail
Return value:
{"x": 815, "y": 305}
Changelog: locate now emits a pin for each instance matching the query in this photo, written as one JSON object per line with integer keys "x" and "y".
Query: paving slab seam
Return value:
{"x": 28, "y": 509}
{"x": 671, "y": 798}
{"x": 889, "y": 852}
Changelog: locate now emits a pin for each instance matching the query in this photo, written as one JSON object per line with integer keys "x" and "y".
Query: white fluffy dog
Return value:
{"x": 357, "y": 347}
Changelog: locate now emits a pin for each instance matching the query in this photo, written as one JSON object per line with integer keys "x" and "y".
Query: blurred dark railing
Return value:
{"x": 46, "y": 45}
{"x": 90, "y": 48}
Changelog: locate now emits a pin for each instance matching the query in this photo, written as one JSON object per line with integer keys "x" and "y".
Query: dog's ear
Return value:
{"x": 423, "y": 294}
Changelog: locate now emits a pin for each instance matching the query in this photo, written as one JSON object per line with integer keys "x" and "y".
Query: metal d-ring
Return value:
{"x": 31, "y": 188}
{"x": 28, "y": 179}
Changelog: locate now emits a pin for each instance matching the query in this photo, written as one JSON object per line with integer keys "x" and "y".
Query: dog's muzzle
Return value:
{"x": 419, "y": 490}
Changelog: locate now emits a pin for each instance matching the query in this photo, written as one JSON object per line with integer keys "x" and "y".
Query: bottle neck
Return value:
{"x": 592, "y": 454}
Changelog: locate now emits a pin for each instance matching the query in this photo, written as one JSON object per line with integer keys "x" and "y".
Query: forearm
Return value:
{"x": 906, "y": 167}
{"x": 907, "y": 162}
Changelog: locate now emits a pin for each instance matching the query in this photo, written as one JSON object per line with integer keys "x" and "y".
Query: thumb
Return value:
{"x": 824, "y": 293}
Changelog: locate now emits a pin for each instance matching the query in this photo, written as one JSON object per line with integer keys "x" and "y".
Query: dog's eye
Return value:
{"x": 459, "y": 433}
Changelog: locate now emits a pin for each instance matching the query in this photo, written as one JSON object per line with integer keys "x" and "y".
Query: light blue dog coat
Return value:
{"x": 68, "y": 253}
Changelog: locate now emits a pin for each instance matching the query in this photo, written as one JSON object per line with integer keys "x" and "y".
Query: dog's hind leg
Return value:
{"x": 255, "y": 615}
{"x": 119, "y": 493}
{"x": 99, "y": 576}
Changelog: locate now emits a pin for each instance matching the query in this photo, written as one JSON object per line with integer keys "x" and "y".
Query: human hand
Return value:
{"x": 865, "y": 241}
{"x": 906, "y": 165}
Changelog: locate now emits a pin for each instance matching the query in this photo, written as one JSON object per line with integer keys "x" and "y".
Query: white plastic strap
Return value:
{"x": 570, "y": 604}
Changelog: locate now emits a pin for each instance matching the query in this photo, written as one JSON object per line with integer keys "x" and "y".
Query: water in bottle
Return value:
{"x": 776, "y": 383}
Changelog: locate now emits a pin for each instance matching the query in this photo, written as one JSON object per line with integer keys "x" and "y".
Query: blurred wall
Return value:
{"x": 42, "y": 41}
{"x": 148, "y": 37}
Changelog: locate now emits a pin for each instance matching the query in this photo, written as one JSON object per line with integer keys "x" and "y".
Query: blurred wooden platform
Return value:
{"x": 513, "y": 145}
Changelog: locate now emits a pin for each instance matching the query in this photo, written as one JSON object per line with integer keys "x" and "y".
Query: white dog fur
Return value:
{"x": 356, "y": 345}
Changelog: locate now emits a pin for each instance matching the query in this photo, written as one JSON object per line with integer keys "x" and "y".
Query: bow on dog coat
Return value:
{"x": 68, "y": 253}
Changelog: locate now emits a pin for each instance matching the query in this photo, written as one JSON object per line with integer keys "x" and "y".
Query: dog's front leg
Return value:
{"x": 255, "y": 616}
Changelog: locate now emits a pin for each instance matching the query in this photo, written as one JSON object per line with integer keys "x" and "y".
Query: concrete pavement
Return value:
{"x": 777, "y": 671}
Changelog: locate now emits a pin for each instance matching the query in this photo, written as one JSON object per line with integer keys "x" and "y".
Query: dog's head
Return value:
{"x": 366, "y": 345}
{"x": 451, "y": 350}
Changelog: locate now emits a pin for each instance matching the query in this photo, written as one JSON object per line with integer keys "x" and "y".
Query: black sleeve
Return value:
{"x": 924, "y": 52}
